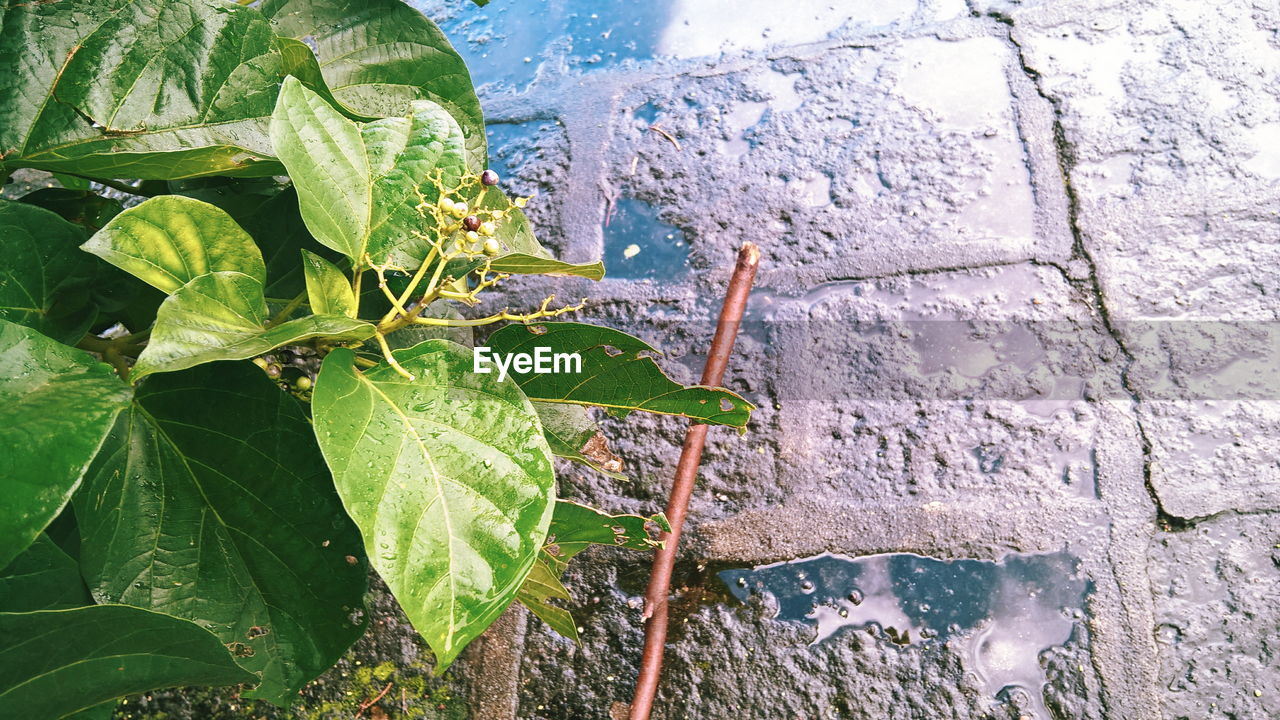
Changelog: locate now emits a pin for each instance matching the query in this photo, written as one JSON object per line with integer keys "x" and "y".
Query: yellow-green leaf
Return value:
{"x": 223, "y": 316}
{"x": 170, "y": 240}
{"x": 327, "y": 288}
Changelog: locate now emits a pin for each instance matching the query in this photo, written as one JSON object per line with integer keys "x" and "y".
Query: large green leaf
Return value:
{"x": 43, "y": 272}
{"x": 378, "y": 56}
{"x": 170, "y": 240}
{"x": 43, "y": 577}
{"x": 138, "y": 88}
{"x": 327, "y": 288}
{"x": 57, "y": 662}
{"x": 56, "y": 406}
{"x": 617, "y": 373}
{"x": 573, "y": 435}
{"x": 448, "y": 478}
{"x": 210, "y": 501}
{"x": 356, "y": 182}
{"x": 223, "y": 316}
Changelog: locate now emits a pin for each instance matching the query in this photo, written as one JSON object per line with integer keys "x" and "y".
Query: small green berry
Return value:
{"x": 488, "y": 228}
{"x": 446, "y": 204}
{"x": 491, "y": 247}
{"x": 459, "y": 209}
{"x": 302, "y": 383}
{"x": 472, "y": 236}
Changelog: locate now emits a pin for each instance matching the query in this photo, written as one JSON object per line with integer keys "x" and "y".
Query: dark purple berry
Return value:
{"x": 489, "y": 177}
{"x": 471, "y": 222}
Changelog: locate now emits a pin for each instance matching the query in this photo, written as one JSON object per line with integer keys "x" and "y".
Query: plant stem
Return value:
{"x": 112, "y": 351}
{"x": 287, "y": 309}
{"x": 664, "y": 560}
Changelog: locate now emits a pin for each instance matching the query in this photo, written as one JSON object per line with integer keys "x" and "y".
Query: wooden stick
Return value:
{"x": 664, "y": 560}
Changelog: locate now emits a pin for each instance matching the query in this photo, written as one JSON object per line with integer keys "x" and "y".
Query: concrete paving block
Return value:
{"x": 1215, "y": 586}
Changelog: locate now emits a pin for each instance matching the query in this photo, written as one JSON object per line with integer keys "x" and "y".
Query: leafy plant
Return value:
{"x": 224, "y": 404}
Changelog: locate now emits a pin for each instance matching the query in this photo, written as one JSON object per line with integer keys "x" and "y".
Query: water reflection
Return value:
{"x": 998, "y": 616}
{"x": 639, "y": 245}
{"x": 506, "y": 44}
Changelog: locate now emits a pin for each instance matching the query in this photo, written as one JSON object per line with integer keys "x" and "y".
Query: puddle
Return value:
{"x": 813, "y": 191}
{"x": 1266, "y": 160}
{"x": 698, "y": 28}
{"x": 997, "y": 616}
{"x": 511, "y": 146}
{"x": 639, "y": 245}
{"x": 506, "y": 44}
{"x": 781, "y": 88}
{"x": 736, "y": 121}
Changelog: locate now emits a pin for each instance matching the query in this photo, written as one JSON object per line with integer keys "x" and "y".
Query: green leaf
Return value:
{"x": 617, "y": 374}
{"x": 170, "y": 240}
{"x": 72, "y": 182}
{"x": 379, "y": 56}
{"x": 327, "y": 288}
{"x": 57, "y": 406}
{"x": 138, "y": 88}
{"x": 542, "y": 586}
{"x": 104, "y": 711}
{"x": 223, "y": 316}
{"x": 575, "y": 527}
{"x": 43, "y": 273}
{"x": 269, "y": 213}
{"x": 86, "y": 209}
{"x": 573, "y": 435}
{"x": 522, "y": 264}
{"x": 57, "y": 662}
{"x": 210, "y": 501}
{"x": 448, "y": 478}
{"x": 42, "y": 578}
{"x": 356, "y": 182}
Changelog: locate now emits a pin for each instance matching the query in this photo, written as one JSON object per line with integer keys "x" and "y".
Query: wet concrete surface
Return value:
{"x": 1018, "y": 303}
{"x": 1019, "y": 300}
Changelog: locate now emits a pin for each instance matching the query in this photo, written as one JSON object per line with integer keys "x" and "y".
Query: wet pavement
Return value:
{"x": 1013, "y": 342}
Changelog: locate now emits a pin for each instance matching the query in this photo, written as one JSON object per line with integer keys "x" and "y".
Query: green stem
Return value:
{"x": 287, "y": 309}
{"x": 112, "y": 351}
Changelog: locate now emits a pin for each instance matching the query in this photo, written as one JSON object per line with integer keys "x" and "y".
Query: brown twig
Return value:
{"x": 658, "y": 129}
{"x": 370, "y": 703}
{"x": 664, "y": 560}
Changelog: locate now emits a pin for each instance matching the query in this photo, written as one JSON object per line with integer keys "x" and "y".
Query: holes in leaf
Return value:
{"x": 611, "y": 351}
{"x": 538, "y": 329}
{"x": 256, "y": 632}
{"x": 239, "y": 649}
{"x": 725, "y": 404}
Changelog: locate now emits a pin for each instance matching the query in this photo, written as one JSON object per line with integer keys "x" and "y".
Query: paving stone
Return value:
{"x": 1215, "y": 587}
{"x": 1168, "y": 110}
{"x": 843, "y": 162}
